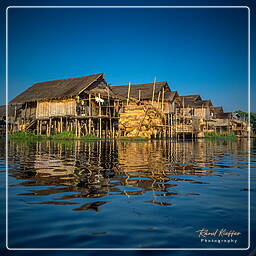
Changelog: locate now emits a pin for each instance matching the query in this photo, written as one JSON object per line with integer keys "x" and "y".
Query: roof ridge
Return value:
{"x": 138, "y": 84}
{"x": 190, "y": 95}
{"x": 64, "y": 79}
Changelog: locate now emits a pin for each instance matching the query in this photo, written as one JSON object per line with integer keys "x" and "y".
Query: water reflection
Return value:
{"x": 66, "y": 171}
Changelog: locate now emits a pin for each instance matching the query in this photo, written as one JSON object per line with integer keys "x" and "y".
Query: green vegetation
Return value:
{"x": 138, "y": 138}
{"x": 64, "y": 135}
{"x": 26, "y": 135}
{"x": 229, "y": 135}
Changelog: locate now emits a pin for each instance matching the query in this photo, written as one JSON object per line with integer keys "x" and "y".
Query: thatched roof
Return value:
{"x": 217, "y": 110}
{"x": 146, "y": 90}
{"x": 189, "y": 100}
{"x": 172, "y": 95}
{"x": 203, "y": 103}
{"x": 56, "y": 89}
{"x": 194, "y": 101}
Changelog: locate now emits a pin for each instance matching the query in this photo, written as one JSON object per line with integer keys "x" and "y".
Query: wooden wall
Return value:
{"x": 56, "y": 108}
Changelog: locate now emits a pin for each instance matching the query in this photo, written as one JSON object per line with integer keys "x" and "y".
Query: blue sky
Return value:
{"x": 197, "y": 51}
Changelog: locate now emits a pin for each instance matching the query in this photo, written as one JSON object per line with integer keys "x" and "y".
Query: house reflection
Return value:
{"x": 84, "y": 170}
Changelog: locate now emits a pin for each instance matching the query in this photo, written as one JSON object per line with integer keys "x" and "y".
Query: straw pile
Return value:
{"x": 140, "y": 120}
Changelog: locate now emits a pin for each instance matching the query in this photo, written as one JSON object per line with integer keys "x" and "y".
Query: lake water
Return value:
{"x": 156, "y": 194}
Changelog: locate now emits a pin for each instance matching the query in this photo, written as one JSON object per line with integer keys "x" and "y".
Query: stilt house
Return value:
{"x": 82, "y": 104}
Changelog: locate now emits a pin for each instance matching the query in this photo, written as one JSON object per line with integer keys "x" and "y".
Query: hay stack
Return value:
{"x": 140, "y": 120}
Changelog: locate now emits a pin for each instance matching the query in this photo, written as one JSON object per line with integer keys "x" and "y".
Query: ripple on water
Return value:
{"x": 153, "y": 194}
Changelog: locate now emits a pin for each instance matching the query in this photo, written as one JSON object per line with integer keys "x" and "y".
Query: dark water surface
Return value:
{"x": 127, "y": 194}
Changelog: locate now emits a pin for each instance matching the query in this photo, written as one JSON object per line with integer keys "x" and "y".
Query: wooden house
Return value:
{"x": 194, "y": 105}
{"x": 166, "y": 121}
{"x": 215, "y": 111}
{"x": 157, "y": 94}
{"x": 84, "y": 105}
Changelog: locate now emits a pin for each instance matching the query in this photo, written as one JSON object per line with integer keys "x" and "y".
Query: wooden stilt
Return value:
{"x": 100, "y": 127}
{"x": 171, "y": 125}
{"x": 50, "y": 126}
{"x": 106, "y": 125}
{"x": 78, "y": 129}
{"x": 100, "y": 121}
{"x": 76, "y": 132}
{"x": 37, "y": 127}
{"x": 61, "y": 125}
{"x": 54, "y": 126}
{"x": 111, "y": 130}
{"x": 40, "y": 127}
{"x": 90, "y": 114}
{"x": 176, "y": 119}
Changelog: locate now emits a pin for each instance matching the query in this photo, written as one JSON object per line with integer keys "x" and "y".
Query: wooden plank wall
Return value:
{"x": 56, "y": 108}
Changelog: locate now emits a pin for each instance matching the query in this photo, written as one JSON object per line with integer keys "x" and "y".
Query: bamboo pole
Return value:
{"x": 158, "y": 99}
{"x": 106, "y": 130}
{"x": 100, "y": 123}
{"x": 111, "y": 131}
{"x": 163, "y": 100}
{"x": 50, "y": 127}
{"x": 79, "y": 129}
{"x": 61, "y": 125}
{"x": 100, "y": 127}
{"x": 176, "y": 123}
{"x": 183, "y": 120}
{"x": 171, "y": 125}
{"x": 37, "y": 127}
{"x": 90, "y": 114}
{"x": 76, "y": 127}
{"x": 128, "y": 93}
{"x": 154, "y": 88}
{"x": 108, "y": 112}
{"x": 40, "y": 127}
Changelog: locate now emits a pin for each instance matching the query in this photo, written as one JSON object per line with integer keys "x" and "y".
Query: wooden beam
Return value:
{"x": 154, "y": 88}
{"x": 90, "y": 114}
{"x": 61, "y": 125}
{"x": 128, "y": 93}
{"x": 163, "y": 100}
{"x": 158, "y": 99}
{"x": 79, "y": 129}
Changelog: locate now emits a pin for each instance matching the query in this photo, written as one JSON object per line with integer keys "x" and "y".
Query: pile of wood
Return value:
{"x": 140, "y": 120}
